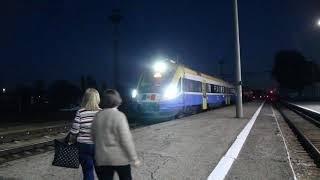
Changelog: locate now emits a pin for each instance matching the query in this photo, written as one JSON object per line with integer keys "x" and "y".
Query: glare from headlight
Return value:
{"x": 134, "y": 93}
{"x": 159, "y": 67}
{"x": 170, "y": 93}
{"x": 157, "y": 75}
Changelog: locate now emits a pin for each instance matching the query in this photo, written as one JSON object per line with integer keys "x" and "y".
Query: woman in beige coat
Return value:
{"x": 114, "y": 146}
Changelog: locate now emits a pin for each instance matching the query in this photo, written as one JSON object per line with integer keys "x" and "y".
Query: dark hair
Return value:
{"x": 111, "y": 98}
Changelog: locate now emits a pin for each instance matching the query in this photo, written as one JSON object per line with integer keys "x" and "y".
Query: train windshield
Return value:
{"x": 154, "y": 82}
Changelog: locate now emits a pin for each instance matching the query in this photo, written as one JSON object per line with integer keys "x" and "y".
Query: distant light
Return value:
{"x": 318, "y": 22}
{"x": 271, "y": 92}
{"x": 134, "y": 93}
{"x": 160, "y": 67}
{"x": 157, "y": 75}
{"x": 3, "y": 90}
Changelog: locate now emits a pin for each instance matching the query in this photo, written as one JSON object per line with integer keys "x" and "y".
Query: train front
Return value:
{"x": 158, "y": 94}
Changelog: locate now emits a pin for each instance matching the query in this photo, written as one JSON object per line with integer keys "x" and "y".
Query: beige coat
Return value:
{"x": 113, "y": 141}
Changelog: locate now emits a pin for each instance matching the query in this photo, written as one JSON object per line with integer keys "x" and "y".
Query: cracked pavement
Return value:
{"x": 187, "y": 148}
{"x": 263, "y": 155}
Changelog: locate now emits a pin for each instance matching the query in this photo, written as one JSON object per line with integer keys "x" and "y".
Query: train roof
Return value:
{"x": 191, "y": 71}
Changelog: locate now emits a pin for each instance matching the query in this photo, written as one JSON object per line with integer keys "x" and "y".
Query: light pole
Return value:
{"x": 239, "y": 109}
{"x": 221, "y": 63}
{"x": 115, "y": 19}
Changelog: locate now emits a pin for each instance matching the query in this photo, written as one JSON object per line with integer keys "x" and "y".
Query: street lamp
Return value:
{"x": 115, "y": 19}
{"x": 3, "y": 90}
{"x": 239, "y": 109}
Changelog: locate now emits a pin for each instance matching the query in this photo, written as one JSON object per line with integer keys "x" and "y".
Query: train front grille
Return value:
{"x": 149, "y": 107}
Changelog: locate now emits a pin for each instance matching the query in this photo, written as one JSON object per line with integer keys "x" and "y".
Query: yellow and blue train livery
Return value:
{"x": 170, "y": 89}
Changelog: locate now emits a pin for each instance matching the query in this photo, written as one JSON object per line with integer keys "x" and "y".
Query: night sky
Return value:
{"x": 59, "y": 39}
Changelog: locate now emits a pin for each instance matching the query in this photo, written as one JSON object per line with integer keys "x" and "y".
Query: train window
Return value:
{"x": 197, "y": 86}
{"x": 212, "y": 88}
{"x": 185, "y": 84}
{"x": 216, "y": 89}
{"x": 192, "y": 86}
{"x": 232, "y": 91}
{"x": 222, "y": 89}
{"x": 208, "y": 88}
{"x": 149, "y": 83}
{"x": 227, "y": 90}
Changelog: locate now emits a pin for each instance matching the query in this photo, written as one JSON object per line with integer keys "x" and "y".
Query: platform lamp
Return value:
{"x": 115, "y": 19}
{"x": 239, "y": 109}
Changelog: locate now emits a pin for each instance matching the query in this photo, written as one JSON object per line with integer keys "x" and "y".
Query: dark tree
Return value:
{"x": 83, "y": 84}
{"x": 39, "y": 87}
{"x": 24, "y": 97}
{"x": 91, "y": 82}
{"x": 103, "y": 87}
{"x": 63, "y": 93}
{"x": 291, "y": 70}
{"x": 315, "y": 71}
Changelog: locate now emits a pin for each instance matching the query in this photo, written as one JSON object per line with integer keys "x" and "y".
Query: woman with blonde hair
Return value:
{"x": 81, "y": 128}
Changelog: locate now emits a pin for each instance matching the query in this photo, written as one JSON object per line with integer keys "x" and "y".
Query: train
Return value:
{"x": 170, "y": 89}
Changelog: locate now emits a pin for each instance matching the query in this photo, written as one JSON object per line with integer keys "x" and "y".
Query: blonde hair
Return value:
{"x": 91, "y": 100}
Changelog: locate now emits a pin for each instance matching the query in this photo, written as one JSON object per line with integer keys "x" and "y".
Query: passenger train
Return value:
{"x": 170, "y": 89}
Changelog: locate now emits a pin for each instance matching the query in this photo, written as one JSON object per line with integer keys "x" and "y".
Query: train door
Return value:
{"x": 204, "y": 95}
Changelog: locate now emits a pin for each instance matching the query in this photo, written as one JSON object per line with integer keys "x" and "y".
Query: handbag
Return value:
{"x": 65, "y": 154}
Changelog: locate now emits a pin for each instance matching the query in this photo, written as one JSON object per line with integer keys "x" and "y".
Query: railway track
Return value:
{"x": 25, "y": 148}
{"x": 24, "y": 143}
{"x": 26, "y": 134}
{"x": 306, "y": 126}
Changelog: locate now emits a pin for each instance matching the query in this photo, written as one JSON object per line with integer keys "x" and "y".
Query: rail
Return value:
{"x": 312, "y": 150}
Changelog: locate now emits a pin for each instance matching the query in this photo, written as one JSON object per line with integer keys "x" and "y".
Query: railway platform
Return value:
{"x": 313, "y": 106}
{"x": 263, "y": 155}
{"x": 192, "y": 147}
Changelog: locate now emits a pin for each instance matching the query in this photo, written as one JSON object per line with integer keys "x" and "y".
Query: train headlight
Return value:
{"x": 134, "y": 93}
{"x": 160, "y": 67}
{"x": 157, "y": 75}
{"x": 170, "y": 92}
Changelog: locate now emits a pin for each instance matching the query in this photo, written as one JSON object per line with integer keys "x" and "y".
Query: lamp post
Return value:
{"x": 115, "y": 18}
{"x": 221, "y": 63}
{"x": 239, "y": 109}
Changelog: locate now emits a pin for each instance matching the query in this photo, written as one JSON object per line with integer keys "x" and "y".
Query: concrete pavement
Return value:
{"x": 187, "y": 148}
{"x": 315, "y": 106}
{"x": 263, "y": 155}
